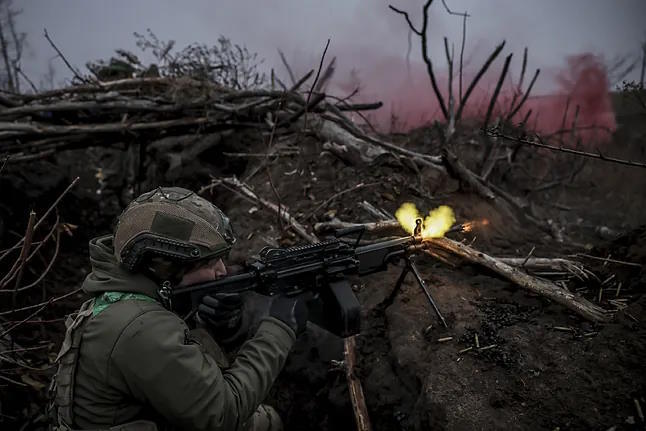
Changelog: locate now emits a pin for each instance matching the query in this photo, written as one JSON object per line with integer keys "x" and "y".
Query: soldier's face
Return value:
{"x": 212, "y": 270}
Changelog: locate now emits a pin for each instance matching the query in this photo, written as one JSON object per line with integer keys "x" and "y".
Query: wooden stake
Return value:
{"x": 354, "y": 386}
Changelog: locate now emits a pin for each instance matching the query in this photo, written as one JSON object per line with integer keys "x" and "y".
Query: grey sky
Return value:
{"x": 552, "y": 29}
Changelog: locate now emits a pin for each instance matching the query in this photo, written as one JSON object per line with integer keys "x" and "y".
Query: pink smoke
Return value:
{"x": 409, "y": 101}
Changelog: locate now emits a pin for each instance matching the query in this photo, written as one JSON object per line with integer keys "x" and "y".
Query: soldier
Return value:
{"x": 129, "y": 361}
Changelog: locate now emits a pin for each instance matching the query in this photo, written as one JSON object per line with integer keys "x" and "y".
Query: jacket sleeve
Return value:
{"x": 164, "y": 369}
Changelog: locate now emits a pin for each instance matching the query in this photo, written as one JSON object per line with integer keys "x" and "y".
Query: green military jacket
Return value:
{"x": 138, "y": 361}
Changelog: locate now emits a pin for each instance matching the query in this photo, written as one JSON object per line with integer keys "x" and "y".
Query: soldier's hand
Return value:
{"x": 290, "y": 310}
{"x": 222, "y": 313}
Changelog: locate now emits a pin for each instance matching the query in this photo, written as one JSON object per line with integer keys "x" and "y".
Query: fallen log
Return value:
{"x": 465, "y": 176}
{"x": 545, "y": 288}
{"x": 342, "y": 143}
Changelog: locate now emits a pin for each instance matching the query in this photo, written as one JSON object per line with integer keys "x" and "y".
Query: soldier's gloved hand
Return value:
{"x": 290, "y": 310}
{"x": 222, "y": 313}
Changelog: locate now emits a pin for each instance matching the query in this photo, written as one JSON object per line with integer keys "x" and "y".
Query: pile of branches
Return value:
{"x": 142, "y": 110}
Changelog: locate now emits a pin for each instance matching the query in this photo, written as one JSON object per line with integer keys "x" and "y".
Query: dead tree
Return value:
{"x": 12, "y": 43}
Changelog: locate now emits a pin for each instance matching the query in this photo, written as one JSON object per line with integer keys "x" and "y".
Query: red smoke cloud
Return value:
{"x": 409, "y": 101}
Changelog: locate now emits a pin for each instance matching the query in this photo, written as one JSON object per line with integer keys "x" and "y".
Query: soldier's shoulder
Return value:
{"x": 109, "y": 323}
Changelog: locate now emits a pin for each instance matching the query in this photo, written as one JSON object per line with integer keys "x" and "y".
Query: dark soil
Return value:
{"x": 527, "y": 373}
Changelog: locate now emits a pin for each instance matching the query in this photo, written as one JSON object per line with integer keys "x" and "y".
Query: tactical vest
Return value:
{"x": 62, "y": 387}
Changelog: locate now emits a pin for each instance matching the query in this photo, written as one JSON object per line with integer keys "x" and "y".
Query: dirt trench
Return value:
{"x": 522, "y": 373}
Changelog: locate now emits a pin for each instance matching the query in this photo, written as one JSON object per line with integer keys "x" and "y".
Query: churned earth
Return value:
{"x": 508, "y": 359}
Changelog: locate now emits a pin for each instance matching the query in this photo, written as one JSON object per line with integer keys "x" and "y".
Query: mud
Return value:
{"x": 523, "y": 372}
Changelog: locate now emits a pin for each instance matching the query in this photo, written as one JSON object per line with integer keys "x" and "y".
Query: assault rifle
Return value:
{"x": 320, "y": 271}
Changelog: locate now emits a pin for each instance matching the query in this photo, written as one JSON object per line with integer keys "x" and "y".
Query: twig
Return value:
{"x": 4, "y": 162}
{"x": 464, "y": 37}
{"x": 638, "y": 407}
{"x": 327, "y": 75}
{"x": 302, "y": 81}
{"x": 24, "y": 253}
{"x": 519, "y": 88}
{"x": 49, "y": 210}
{"x": 26, "y": 78}
{"x": 492, "y": 147}
{"x": 47, "y": 269}
{"x": 289, "y": 69}
{"x": 39, "y": 244}
{"x": 28, "y": 349}
{"x": 450, "y": 128}
{"x": 450, "y": 12}
{"x": 429, "y": 65}
{"x": 477, "y": 78}
{"x": 540, "y": 144}
{"x": 336, "y": 195}
{"x": 605, "y": 259}
{"x": 494, "y": 97}
{"x": 15, "y": 382}
{"x": 528, "y": 256}
{"x": 316, "y": 78}
{"x": 525, "y": 96}
{"x": 67, "y": 63}
{"x": 246, "y": 191}
{"x": 280, "y": 206}
{"x": 10, "y": 78}
{"x": 51, "y": 301}
{"x": 11, "y": 328}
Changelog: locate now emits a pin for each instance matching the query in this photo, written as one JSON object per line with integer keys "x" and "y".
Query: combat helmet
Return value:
{"x": 172, "y": 223}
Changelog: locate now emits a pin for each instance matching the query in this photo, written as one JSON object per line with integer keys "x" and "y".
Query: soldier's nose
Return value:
{"x": 220, "y": 268}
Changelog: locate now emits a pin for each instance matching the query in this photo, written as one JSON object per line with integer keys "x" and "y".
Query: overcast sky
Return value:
{"x": 366, "y": 37}
{"x": 552, "y": 29}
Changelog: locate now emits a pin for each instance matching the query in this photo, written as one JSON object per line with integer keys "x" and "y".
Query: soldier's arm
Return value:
{"x": 161, "y": 366}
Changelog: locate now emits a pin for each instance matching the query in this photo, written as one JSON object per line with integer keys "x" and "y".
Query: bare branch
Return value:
{"x": 77, "y": 75}
{"x": 429, "y": 65}
{"x": 641, "y": 79}
{"x": 464, "y": 38}
{"x": 494, "y": 97}
{"x": 47, "y": 212}
{"x": 525, "y": 96}
{"x": 405, "y": 14}
{"x": 327, "y": 74}
{"x": 316, "y": 78}
{"x": 318, "y": 72}
{"x": 597, "y": 155}
{"x": 463, "y": 14}
{"x": 4, "y": 50}
{"x": 26, "y": 78}
{"x": 519, "y": 89}
{"x": 4, "y": 162}
{"x": 289, "y": 69}
{"x": 51, "y": 301}
{"x": 449, "y": 59}
{"x": 477, "y": 78}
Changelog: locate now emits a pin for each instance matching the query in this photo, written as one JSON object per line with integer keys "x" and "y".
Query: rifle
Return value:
{"x": 320, "y": 271}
